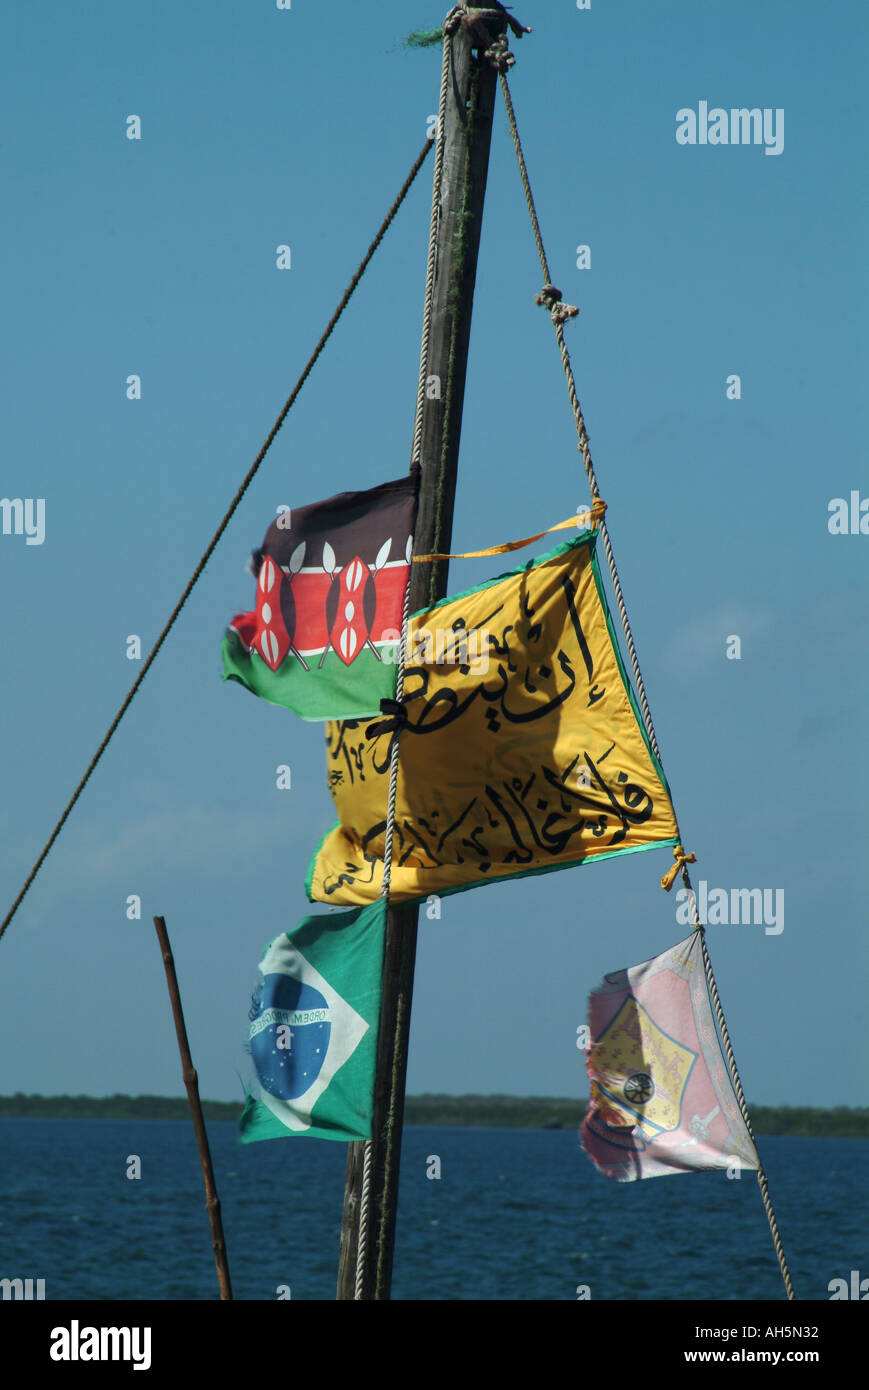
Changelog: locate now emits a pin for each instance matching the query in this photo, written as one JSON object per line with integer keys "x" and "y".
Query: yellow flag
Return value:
{"x": 523, "y": 750}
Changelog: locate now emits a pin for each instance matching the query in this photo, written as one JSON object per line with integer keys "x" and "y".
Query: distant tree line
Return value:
{"x": 544, "y": 1112}
{"x": 115, "y": 1107}
{"x": 500, "y": 1112}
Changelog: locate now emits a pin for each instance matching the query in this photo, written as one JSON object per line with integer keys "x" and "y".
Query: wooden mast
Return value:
{"x": 467, "y": 135}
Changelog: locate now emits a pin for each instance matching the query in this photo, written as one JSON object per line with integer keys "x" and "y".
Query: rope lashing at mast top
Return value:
{"x": 473, "y": 17}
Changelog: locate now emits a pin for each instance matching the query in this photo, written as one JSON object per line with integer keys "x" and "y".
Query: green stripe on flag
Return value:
{"x": 333, "y": 691}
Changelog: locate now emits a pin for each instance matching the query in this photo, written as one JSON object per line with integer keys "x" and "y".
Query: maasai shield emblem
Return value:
{"x": 351, "y": 604}
{"x": 276, "y": 611}
{"x": 331, "y": 580}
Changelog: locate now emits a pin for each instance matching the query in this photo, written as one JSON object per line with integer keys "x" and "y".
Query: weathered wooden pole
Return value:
{"x": 467, "y": 135}
{"x": 191, "y": 1081}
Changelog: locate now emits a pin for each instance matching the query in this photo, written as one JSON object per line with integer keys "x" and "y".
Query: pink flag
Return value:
{"x": 661, "y": 1097}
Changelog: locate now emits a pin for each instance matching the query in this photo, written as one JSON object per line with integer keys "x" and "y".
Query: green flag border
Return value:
{"x": 585, "y": 538}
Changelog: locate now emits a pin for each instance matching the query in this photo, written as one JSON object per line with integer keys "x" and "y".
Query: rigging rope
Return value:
{"x": 498, "y": 55}
{"x": 453, "y": 21}
{"x": 248, "y": 479}
{"x": 550, "y": 297}
{"x": 415, "y": 457}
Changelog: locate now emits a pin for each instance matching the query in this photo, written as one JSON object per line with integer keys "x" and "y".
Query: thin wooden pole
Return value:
{"x": 467, "y": 133}
{"x": 191, "y": 1081}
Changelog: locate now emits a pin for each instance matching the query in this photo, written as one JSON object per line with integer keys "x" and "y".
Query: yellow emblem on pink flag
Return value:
{"x": 661, "y": 1099}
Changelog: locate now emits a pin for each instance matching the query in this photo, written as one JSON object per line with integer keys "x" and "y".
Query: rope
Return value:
{"x": 453, "y": 306}
{"x": 681, "y": 859}
{"x": 415, "y": 456}
{"x": 381, "y": 1290}
{"x": 740, "y": 1096}
{"x": 362, "y": 1243}
{"x": 248, "y": 479}
{"x": 550, "y": 297}
{"x": 434, "y": 226}
{"x": 393, "y": 757}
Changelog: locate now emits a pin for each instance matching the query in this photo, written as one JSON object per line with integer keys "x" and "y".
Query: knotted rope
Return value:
{"x": 551, "y": 298}
{"x": 681, "y": 859}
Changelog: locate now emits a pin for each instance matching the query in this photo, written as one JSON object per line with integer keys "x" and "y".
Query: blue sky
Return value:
{"x": 157, "y": 257}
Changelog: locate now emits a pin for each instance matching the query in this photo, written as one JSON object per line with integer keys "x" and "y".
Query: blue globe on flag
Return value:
{"x": 290, "y": 1033}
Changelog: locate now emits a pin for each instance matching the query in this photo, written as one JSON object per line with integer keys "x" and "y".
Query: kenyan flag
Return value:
{"x": 331, "y": 578}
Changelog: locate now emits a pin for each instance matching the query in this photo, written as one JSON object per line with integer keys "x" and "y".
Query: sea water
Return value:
{"x": 514, "y": 1214}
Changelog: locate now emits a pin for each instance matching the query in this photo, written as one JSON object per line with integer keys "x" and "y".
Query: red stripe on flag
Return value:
{"x": 311, "y": 591}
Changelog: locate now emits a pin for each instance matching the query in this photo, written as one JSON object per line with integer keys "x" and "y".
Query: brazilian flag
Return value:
{"x": 314, "y": 1021}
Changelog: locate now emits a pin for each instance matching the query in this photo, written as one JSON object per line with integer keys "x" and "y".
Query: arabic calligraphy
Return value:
{"x": 489, "y": 754}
